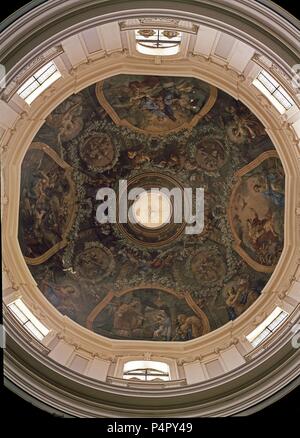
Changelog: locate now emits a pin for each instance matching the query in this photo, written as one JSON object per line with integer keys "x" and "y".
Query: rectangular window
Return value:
{"x": 267, "y": 327}
{"x": 158, "y": 42}
{"x": 273, "y": 91}
{"x": 146, "y": 371}
{"x": 37, "y": 83}
{"x": 28, "y": 320}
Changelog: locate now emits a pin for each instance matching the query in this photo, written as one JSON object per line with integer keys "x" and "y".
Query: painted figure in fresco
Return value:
{"x": 239, "y": 296}
{"x": 262, "y": 223}
{"x": 62, "y": 297}
{"x": 127, "y": 318}
{"x": 40, "y": 184}
{"x": 138, "y": 157}
{"x": 152, "y": 315}
{"x": 188, "y": 327}
{"x": 179, "y": 161}
{"x": 165, "y": 100}
{"x": 138, "y": 89}
{"x": 243, "y": 125}
{"x": 160, "y": 103}
{"x": 154, "y": 103}
{"x": 189, "y": 97}
{"x": 258, "y": 212}
{"x": 164, "y": 330}
{"x": 154, "y": 106}
{"x": 67, "y": 119}
{"x": 43, "y": 205}
{"x": 274, "y": 191}
{"x": 261, "y": 230}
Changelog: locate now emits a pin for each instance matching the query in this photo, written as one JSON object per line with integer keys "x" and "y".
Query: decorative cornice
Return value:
{"x": 158, "y": 23}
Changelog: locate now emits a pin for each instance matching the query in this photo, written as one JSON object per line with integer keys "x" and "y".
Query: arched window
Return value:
{"x": 158, "y": 41}
{"x": 146, "y": 370}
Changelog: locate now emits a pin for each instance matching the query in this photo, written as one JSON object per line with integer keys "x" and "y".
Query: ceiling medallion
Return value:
{"x": 98, "y": 151}
{"x": 154, "y": 225}
{"x": 95, "y": 262}
{"x": 152, "y": 210}
{"x": 210, "y": 154}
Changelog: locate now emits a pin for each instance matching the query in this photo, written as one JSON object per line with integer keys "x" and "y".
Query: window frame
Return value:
{"x": 271, "y": 88}
{"x": 267, "y": 328}
{"x": 164, "y": 46}
{"x": 27, "y": 319}
{"x": 40, "y": 80}
{"x": 142, "y": 372}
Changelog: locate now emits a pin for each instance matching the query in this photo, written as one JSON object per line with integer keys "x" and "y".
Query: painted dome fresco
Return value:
{"x": 128, "y": 280}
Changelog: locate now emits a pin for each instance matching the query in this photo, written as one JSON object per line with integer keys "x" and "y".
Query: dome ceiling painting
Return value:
{"x": 125, "y": 281}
